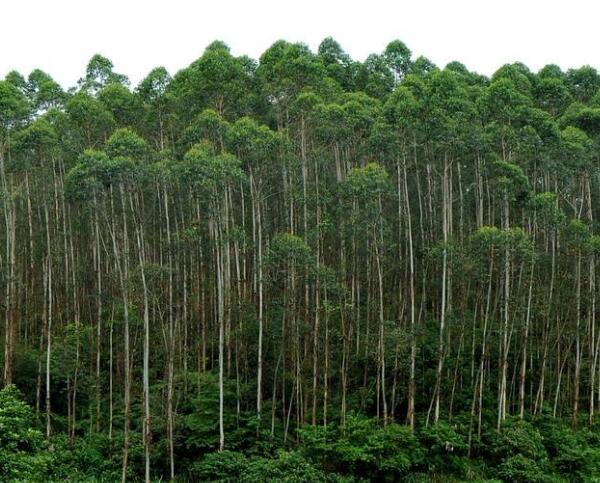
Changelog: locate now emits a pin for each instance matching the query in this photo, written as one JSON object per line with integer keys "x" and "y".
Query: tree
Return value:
{"x": 211, "y": 174}
{"x": 13, "y": 110}
{"x": 99, "y": 73}
{"x": 397, "y": 56}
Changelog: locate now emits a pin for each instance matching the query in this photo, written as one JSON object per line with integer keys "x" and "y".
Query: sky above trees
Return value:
{"x": 61, "y": 36}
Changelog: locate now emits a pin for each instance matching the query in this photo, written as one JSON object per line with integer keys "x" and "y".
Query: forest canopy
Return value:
{"x": 300, "y": 268}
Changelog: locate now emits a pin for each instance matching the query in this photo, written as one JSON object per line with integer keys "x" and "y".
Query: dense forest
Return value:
{"x": 301, "y": 268}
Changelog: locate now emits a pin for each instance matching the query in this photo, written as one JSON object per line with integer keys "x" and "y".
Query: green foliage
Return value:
{"x": 208, "y": 125}
{"x": 361, "y": 447}
{"x": 125, "y": 143}
{"x": 366, "y": 184}
{"x": 577, "y": 234}
{"x": 217, "y": 80}
{"x": 287, "y": 467}
{"x": 576, "y": 146}
{"x": 518, "y": 437}
{"x": 91, "y": 121}
{"x": 547, "y": 211}
{"x": 572, "y": 453}
{"x": 287, "y": 68}
{"x": 23, "y": 451}
{"x": 99, "y": 73}
{"x": 520, "y": 469}
{"x": 220, "y": 466}
{"x": 36, "y": 144}
{"x": 123, "y": 104}
{"x": 208, "y": 173}
{"x": 92, "y": 458}
{"x": 445, "y": 449}
{"x": 13, "y": 107}
{"x": 518, "y": 451}
{"x": 511, "y": 181}
{"x": 289, "y": 247}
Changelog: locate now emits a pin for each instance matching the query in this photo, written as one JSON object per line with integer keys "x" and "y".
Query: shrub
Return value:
{"x": 23, "y": 453}
{"x": 445, "y": 449}
{"x": 519, "y": 469}
{"x": 287, "y": 467}
{"x": 220, "y": 466}
{"x": 363, "y": 448}
{"x": 517, "y": 437}
{"x": 518, "y": 452}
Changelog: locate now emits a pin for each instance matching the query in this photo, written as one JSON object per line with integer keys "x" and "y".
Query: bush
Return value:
{"x": 94, "y": 457}
{"x": 23, "y": 452}
{"x": 363, "y": 448}
{"x": 517, "y": 437}
{"x": 446, "y": 449}
{"x": 220, "y": 466}
{"x": 518, "y": 452}
{"x": 519, "y": 469}
{"x": 575, "y": 454}
{"x": 287, "y": 467}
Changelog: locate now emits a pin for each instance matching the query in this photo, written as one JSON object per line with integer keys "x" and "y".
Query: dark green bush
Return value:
{"x": 445, "y": 449}
{"x": 363, "y": 447}
{"x": 287, "y": 467}
{"x": 24, "y": 455}
{"x": 520, "y": 469}
{"x": 220, "y": 466}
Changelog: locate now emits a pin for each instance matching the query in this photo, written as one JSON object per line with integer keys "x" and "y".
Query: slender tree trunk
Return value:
{"x": 48, "y": 326}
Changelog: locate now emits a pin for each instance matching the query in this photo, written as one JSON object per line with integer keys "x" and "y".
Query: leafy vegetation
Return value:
{"x": 300, "y": 268}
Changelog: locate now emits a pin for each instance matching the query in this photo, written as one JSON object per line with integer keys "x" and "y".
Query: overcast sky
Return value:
{"x": 59, "y": 36}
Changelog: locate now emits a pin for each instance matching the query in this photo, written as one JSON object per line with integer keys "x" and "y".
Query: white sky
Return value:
{"x": 60, "y": 36}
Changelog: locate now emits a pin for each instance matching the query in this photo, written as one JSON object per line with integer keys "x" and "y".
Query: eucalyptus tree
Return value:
{"x": 99, "y": 73}
{"x": 159, "y": 106}
{"x": 127, "y": 147}
{"x": 332, "y": 126}
{"x": 44, "y": 92}
{"x": 91, "y": 122}
{"x": 85, "y": 184}
{"x": 40, "y": 141}
{"x": 401, "y": 111}
{"x": 14, "y": 110}
{"x": 549, "y": 219}
{"x": 578, "y": 240}
{"x": 284, "y": 70}
{"x": 450, "y": 112}
{"x": 210, "y": 175}
{"x": 217, "y": 80}
{"x": 124, "y": 105}
{"x": 583, "y": 82}
{"x": 576, "y": 151}
{"x": 92, "y": 182}
{"x": 397, "y": 55}
{"x": 367, "y": 187}
{"x": 256, "y": 146}
{"x": 288, "y": 263}
{"x": 338, "y": 64}
{"x": 484, "y": 243}
{"x": 513, "y": 186}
